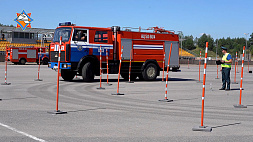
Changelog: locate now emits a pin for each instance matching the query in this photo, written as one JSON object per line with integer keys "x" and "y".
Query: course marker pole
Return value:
{"x": 167, "y": 76}
{"x": 217, "y": 73}
{"x": 248, "y": 63}
{"x": 39, "y": 68}
{"x": 57, "y": 111}
{"x": 119, "y": 73}
{"x": 130, "y": 66}
{"x": 163, "y": 65}
{"x": 202, "y": 127}
{"x": 107, "y": 69}
{"x": 237, "y": 63}
{"x": 188, "y": 63}
{"x": 240, "y": 100}
{"x": 100, "y": 70}
{"x": 5, "y": 72}
{"x": 235, "y": 75}
{"x": 199, "y": 65}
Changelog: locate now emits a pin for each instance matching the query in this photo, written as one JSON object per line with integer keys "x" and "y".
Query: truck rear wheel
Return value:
{"x": 22, "y": 61}
{"x": 87, "y": 72}
{"x": 150, "y": 72}
{"x": 45, "y": 61}
{"x": 67, "y": 75}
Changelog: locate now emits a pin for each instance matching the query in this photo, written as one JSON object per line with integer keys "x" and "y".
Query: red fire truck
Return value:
{"x": 21, "y": 55}
{"x": 80, "y": 51}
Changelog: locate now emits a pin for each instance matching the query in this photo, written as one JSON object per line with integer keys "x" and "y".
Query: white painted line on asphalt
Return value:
{"x": 22, "y": 133}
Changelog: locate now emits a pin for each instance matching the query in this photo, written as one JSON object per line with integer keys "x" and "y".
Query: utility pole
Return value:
{"x": 181, "y": 40}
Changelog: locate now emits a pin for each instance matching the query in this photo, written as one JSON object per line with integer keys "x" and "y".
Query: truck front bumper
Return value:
{"x": 54, "y": 65}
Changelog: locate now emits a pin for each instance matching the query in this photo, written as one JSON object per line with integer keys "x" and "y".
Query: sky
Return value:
{"x": 218, "y": 18}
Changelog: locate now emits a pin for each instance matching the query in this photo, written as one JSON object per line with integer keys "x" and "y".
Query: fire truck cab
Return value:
{"x": 80, "y": 50}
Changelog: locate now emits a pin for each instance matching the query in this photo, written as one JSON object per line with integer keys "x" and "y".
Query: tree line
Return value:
{"x": 232, "y": 44}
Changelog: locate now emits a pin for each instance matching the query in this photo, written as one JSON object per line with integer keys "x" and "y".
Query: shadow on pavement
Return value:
{"x": 235, "y": 89}
{"x": 19, "y": 98}
{"x": 136, "y": 80}
{"x": 86, "y": 110}
{"x": 227, "y": 125}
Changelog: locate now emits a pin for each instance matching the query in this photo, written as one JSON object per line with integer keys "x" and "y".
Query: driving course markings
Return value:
{"x": 22, "y": 133}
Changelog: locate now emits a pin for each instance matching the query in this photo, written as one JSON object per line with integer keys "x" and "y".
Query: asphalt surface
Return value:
{"x": 96, "y": 115}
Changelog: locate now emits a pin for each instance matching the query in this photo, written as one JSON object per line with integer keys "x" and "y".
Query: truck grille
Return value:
{"x": 54, "y": 56}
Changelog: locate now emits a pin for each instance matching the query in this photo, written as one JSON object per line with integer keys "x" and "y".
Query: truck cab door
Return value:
{"x": 80, "y": 36}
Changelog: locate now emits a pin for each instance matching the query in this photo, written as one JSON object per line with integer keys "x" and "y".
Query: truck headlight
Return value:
{"x": 64, "y": 66}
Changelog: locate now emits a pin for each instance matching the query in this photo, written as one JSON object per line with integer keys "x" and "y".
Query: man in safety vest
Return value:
{"x": 225, "y": 68}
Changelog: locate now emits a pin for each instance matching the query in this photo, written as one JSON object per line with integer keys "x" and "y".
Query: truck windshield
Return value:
{"x": 64, "y": 32}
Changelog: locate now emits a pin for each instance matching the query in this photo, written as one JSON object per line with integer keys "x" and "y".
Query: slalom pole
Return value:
{"x": 107, "y": 69}
{"x": 39, "y": 68}
{"x": 240, "y": 100}
{"x": 167, "y": 76}
{"x": 119, "y": 73}
{"x": 58, "y": 83}
{"x": 163, "y": 65}
{"x": 202, "y": 127}
{"x": 100, "y": 70}
{"x": 235, "y": 75}
{"x": 237, "y": 62}
{"x": 130, "y": 66}
{"x": 217, "y": 73}
{"x": 188, "y": 63}
{"x": 232, "y": 64}
{"x": 199, "y": 64}
{"x": 5, "y": 72}
{"x": 248, "y": 65}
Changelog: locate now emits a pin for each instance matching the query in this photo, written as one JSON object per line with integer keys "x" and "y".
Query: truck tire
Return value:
{"x": 67, "y": 75}
{"x": 45, "y": 61}
{"x": 22, "y": 61}
{"x": 150, "y": 72}
{"x": 87, "y": 72}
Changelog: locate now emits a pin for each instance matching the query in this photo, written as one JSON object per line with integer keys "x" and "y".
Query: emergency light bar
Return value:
{"x": 65, "y": 24}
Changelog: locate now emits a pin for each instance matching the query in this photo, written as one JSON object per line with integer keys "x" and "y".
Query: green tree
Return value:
{"x": 188, "y": 42}
{"x": 206, "y": 38}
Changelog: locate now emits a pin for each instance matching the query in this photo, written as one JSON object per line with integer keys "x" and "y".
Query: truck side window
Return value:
{"x": 101, "y": 36}
{"x": 80, "y": 35}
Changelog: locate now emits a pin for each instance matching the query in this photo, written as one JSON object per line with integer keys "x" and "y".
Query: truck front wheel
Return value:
{"x": 67, "y": 75}
{"x": 150, "y": 72}
{"x": 87, "y": 72}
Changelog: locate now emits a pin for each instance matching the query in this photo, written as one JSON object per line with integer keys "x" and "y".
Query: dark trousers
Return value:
{"x": 226, "y": 77}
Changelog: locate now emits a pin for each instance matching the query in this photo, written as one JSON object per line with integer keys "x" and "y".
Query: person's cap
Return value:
{"x": 224, "y": 48}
